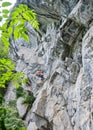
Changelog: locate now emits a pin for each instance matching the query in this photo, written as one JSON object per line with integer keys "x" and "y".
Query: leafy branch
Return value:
{"x": 15, "y": 24}
{"x": 14, "y": 27}
{"x": 4, "y": 12}
{"x": 9, "y": 119}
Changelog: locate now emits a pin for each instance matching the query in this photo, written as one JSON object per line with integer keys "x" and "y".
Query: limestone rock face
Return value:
{"x": 32, "y": 126}
{"x": 22, "y": 108}
{"x": 63, "y": 50}
{"x": 10, "y": 94}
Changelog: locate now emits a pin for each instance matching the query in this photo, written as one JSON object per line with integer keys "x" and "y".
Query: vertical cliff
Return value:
{"x": 62, "y": 49}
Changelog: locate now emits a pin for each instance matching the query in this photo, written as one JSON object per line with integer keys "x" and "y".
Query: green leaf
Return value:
{"x": 5, "y": 16}
{"x": 18, "y": 10}
{"x": 32, "y": 14}
{"x": 1, "y": 18}
{"x": 34, "y": 24}
{"x": 13, "y": 22}
{"x": 5, "y": 11}
{"x": 23, "y": 30}
{"x": 14, "y": 15}
{"x": 4, "y": 26}
{"x": 20, "y": 26}
{"x": 16, "y": 33}
{"x": 22, "y": 7}
{"x": 4, "y": 4}
{"x": 5, "y": 34}
{"x": 22, "y": 21}
{"x": 22, "y": 128}
{"x": 25, "y": 36}
{"x": 0, "y": 28}
{"x": 26, "y": 16}
{"x": 5, "y": 40}
{"x": 29, "y": 15}
{"x": 10, "y": 29}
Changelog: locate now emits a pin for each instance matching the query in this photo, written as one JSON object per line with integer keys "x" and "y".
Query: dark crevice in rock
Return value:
{"x": 70, "y": 31}
{"x": 49, "y": 126}
{"x": 61, "y": 50}
{"x": 53, "y": 77}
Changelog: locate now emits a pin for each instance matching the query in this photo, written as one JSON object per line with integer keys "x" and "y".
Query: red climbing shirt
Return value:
{"x": 39, "y": 72}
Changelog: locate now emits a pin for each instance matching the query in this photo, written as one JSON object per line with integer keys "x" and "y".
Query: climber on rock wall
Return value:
{"x": 39, "y": 73}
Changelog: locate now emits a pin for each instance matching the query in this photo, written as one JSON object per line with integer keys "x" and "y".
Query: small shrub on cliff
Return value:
{"x": 28, "y": 97}
{"x": 9, "y": 119}
{"x": 19, "y": 92}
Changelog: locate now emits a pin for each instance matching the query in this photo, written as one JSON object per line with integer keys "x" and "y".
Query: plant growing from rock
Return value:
{"x": 9, "y": 119}
{"x": 28, "y": 97}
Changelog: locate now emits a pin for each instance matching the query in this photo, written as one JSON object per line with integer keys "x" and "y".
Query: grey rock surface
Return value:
{"x": 32, "y": 126}
{"x": 21, "y": 107}
{"x": 63, "y": 50}
{"x": 10, "y": 94}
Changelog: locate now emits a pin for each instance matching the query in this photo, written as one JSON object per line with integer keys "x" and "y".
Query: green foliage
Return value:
{"x": 13, "y": 27}
{"x": 28, "y": 98}
{"x": 1, "y": 99}
{"x": 9, "y": 119}
{"x": 15, "y": 24}
{"x": 19, "y": 92}
{"x": 12, "y": 103}
{"x": 3, "y": 51}
{"x": 19, "y": 17}
{"x": 1, "y": 18}
{"x": 4, "y": 12}
{"x": 18, "y": 79}
{"x": 4, "y": 4}
{"x": 6, "y": 71}
{"x": 7, "y": 74}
